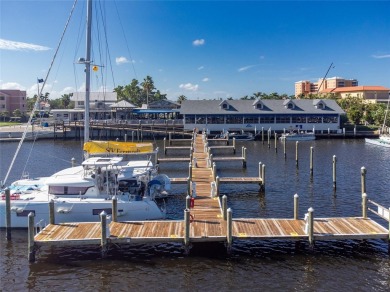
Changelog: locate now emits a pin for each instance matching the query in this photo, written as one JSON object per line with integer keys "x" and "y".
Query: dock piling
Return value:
{"x": 188, "y": 186}
{"x": 363, "y": 172}
{"x": 73, "y": 162}
{"x": 104, "y": 233}
{"x": 296, "y": 205}
{"x": 284, "y": 149}
{"x": 276, "y": 141}
{"x": 311, "y": 226}
{"x": 218, "y": 184}
{"x": 334, "y": 171}
{"x": 187, "y": 229}
{"x": 31, "y": 233}
{"x": 229, "y": 235}
{"x": 224, "y": 207}
{"x": 8, "y": 214}
{"x": 52, "y": 218}
{"x": 364, "y": 205}
{"x": 165, "y": 146}
{"x": 311, "y": 160}
{"x": 296, "y": 153}
{"x": 115, "y": 209}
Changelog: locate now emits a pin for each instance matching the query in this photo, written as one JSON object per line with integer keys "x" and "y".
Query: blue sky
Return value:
{"x": 200, "y": 49}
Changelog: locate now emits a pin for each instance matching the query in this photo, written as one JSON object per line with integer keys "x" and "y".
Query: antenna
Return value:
{"x": 326, "y": 74}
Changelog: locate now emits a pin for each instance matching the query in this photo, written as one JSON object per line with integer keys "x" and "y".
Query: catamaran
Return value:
{"x": 81, "y": 193}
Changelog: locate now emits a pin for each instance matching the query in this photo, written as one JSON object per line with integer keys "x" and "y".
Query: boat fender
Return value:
{"x": 192, "y": 203}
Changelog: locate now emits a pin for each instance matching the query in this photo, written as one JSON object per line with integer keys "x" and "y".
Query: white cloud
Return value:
{"x": 121, "y": 60}
{"x": 380, "y": 56}
{"x": 19, "y": 46}
{"x": 12, "y": 85}
{"x": 205, "y": 79}
{"x": 245, "y": 68}
{"x": 189, "y": 86}
{"x": 201, "y": 68}
{"x": 199, "y": 42}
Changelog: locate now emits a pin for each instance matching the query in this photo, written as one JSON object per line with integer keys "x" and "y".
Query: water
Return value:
{"x": 277, "y": 265}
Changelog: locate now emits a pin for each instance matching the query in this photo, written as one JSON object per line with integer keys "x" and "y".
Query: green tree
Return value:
{"x": 17, "y": 113}
{"x": 148, "y": 87}
{"x": 181, "y": 98}
{"x": 4, "y": 114}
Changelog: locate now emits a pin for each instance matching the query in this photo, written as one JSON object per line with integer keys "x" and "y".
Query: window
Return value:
{"x": 189, "y": 119}
{"x": 234, "y": 119}
{"x": 283, "y": 119}
{"x": 220, "y": 119}
{"x": 200, "y": 119}
{"x": 259, "y": 106}
{"x": 81, "y": 103}
{"x": 330, "y": 119}
{"x": 314, "y": 119}
{"x": 298, "y": 119}
{"x": 290, "y": 106}
{"x": 251, "y": 119}
{"x": 2, "y": 97}
{"x": 267, "y": 119}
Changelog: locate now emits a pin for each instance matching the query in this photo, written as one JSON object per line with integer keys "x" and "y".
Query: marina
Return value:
{"x": 207, "y": 218}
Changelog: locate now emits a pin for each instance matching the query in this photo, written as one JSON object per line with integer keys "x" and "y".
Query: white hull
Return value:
{"x": 76, "y": 210}
{"x": 298, "y": 137}
{"x": 384, "y": 142}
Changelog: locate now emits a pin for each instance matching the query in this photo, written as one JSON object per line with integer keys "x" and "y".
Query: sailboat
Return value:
{"x": 384, "y": 137}
{"x": 81, "y": 193}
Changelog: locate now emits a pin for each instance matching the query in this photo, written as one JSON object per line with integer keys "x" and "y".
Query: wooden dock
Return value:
{"x": 207, "y": 218}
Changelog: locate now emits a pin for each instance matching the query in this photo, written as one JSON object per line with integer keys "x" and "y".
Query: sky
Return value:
{"x": 199, "y": 49}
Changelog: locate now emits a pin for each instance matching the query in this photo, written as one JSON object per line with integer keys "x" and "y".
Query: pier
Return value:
{"x": 208, "y": 218}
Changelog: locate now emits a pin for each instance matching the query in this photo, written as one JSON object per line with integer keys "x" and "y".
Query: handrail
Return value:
{"x": 382, "y": 212}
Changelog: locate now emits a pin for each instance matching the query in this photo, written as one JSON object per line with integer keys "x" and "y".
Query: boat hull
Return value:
{"x": 76, "y": 210}
{"x": 378, "y": 142}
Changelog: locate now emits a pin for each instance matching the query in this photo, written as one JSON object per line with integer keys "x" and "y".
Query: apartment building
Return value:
{"x": 12, "y": 99}
{"x": 306, "y": 87}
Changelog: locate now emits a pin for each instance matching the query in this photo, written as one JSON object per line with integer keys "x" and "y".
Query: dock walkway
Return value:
{"x": 208, "y": 219}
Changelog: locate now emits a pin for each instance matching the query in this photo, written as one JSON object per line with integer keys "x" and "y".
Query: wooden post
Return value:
{"x": 284, "y": 148}
{"x": 224, "y": 207}
{"x": 8, "y": 213}
{"x": 187, "y": 228}
{"x": 296, "y": 153}
{"x": 31, "y": 242}
{"x": 263, "y": 175}
{"x": 276, "y": 141}
{"x": 269, "y": 137}
{"x": 115, "y": 209}
{"x": 190, "y": 170}
{"x": 334, "y": 171}
{"x": 218, "y": 184}
{"x": 188, "y": 186}
{"x": 188, "y": 202}
{"x": 364, "y": 205}
{"x": 363, "y": 172}
{"x": 262, "y": 135}
{"x": 296, "y": 205}
{"x": 165, "y": 146}
{"x": 214, "y": 171}
{"x": 311, "y": 160}
{"x": 260, "y": 175}
{"x": 234, "y": 145}
{"x": 243, "y": 157}
{"x": 229, "y": 235}
{"x": 73, "y": 162}
{"x": 103, "y": 225}
{"x": 311, "y": 225}
{"x": 52, "y": 219}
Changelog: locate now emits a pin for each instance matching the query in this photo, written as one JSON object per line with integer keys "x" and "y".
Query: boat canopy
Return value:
{"x": 99, "y": 147}
{"x": 102, "y": 161}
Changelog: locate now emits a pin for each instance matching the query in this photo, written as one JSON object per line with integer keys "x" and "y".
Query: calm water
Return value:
{"x": 342, "y": 265}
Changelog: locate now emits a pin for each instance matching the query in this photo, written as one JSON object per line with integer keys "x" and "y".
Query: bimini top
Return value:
{"x": 102, "y": 161}
{"x": 116, "y": 147}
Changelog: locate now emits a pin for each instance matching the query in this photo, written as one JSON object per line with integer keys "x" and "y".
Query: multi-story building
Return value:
{"x": 306, "y": 87}
{"x": 372, "y": 94}
{"x": 12, "y": 99}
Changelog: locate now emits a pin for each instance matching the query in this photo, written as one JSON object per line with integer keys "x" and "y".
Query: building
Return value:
{"x": 13, "y": 99}
{"x": 372, "y": 94}
{"x": 306, "y": 87}
{"x": 322, "y": 115}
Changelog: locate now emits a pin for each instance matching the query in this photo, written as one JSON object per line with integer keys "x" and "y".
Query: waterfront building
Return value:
{"x": 372, "y": 94}
{"x": 306, "y": 87}
{"x": 322, "y": 115}
{"x": 11, "y": 100}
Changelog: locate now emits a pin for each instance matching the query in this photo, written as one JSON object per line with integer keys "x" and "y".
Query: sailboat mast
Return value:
{"x": 88, "y": 70}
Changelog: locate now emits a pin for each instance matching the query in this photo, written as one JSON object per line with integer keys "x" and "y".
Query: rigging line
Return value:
{"x": 127, "y": 45}
{"x": 39, "y": 93}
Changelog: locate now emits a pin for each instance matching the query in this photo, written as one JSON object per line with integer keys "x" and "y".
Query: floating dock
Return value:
{"x": 207, "y": 218}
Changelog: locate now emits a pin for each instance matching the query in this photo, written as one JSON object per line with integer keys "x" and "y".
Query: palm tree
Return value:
{"x": 181, "y": 98}
{"x": 148, "y": 86}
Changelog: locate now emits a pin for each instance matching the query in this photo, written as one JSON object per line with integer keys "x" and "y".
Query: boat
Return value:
{"x": 298, "y": 136}
{"x": 384, "y": 138}
{"x": 81, "y": 193}
{"x": 238, "y": 135}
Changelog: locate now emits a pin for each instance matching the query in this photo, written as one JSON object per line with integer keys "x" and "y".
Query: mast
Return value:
{"x": 88, "y": 70}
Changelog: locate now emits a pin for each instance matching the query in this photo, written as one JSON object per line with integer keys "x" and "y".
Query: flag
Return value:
{"x": 40, "y": 80}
